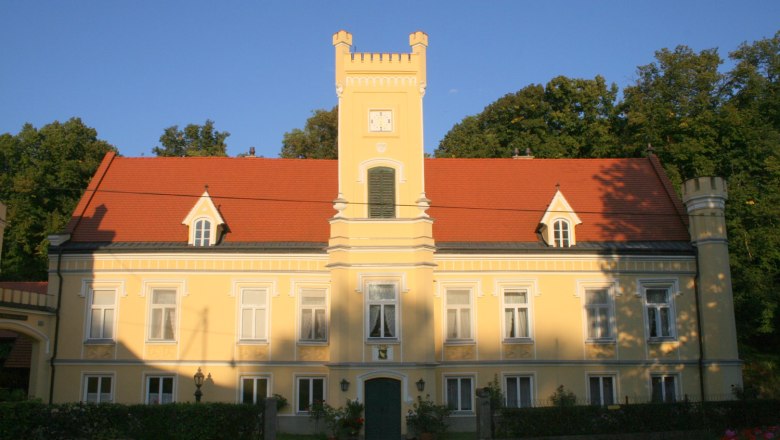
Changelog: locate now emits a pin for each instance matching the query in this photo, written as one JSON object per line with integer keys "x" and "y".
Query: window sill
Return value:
{"x": 99, "y": 342}
{"x": 518, "y": 341}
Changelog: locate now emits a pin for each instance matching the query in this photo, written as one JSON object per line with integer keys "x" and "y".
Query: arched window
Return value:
{"x": 202, "y": 232}
{"x": 561, "y": 233}
{"x": 381, "y": 192}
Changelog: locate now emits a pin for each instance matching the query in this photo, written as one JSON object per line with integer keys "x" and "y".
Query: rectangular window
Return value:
{"x": 254, "y": 314}
{"x": 314, "y": 323}
{"x": 601, "y": 390}
{"x": 516, "y": 314}
{"x": 598, "y": 310}
{"x": 660, "y": 319}
{"x": 98, "y": 389}
{"x": 382, "y": 310}
{"x": 459, "y": 393}
{"x": 664, "y": 388}
{"x": 310, "y": 390}
{"x": 163, "y": 319}
{"x": 159, "y": 390}
{"x": 101, "y": 316}
{"x": 518, "y": 391}
{"x": 458, "y": 314}
{"x": 254, "y": 389}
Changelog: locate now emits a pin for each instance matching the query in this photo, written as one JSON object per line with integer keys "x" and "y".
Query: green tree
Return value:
{"x": 317, "y": 140}
{"x": 566, "y": 118}
{"x": 194, "y": 141}
{"x": 44, "y": 172}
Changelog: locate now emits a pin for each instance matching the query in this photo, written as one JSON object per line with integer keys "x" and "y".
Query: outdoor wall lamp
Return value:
{"x": 198, "y": 383}
{"x": 344, "y": 385}
{"x": 420, "y": 385}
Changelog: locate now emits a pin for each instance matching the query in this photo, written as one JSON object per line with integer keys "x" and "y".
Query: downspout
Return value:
{"x": 696, "y": 287}
{"x": 56, "y": 323}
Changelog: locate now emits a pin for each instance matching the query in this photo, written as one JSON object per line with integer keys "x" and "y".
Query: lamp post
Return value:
{"x": 198, "y": 383}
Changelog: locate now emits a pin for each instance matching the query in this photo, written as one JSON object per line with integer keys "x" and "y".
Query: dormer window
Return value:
{"x": 202, "y": 232}
{"x": 558, "y": 223}
{"x": 561, "y": 233}
{"x": 204, "y": 222}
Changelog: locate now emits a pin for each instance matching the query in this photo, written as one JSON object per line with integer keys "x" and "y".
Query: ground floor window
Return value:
{"x": 254, "y": 389}
{"x": 459, "y": 392}
{"x": 98, "y": 389}
{"x": 518, "y": 391}
{"x": 664, "y": 387}
{"x": 602, "y": 390}
{"x": 310, "y": 390}
{"x": 159, "y": 389}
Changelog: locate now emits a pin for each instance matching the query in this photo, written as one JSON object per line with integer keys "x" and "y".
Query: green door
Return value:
{"x": 383, "y": 409}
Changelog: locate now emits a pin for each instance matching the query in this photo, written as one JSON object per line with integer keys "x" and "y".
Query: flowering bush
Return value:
{"x": 752, "y": 433}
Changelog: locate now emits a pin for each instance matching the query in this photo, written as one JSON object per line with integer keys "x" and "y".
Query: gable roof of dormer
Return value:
{"x": 559, "y": 207}
{"x": 204, "y": 207}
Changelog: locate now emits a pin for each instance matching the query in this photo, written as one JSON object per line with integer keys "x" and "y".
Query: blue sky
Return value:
{"x": 132, "y": 68}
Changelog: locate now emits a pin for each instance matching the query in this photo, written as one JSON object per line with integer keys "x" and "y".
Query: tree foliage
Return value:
{"x": 700, "y": 121}
{"x": 194, "y": 141}
{"x": 317, "y": 140}
{"x": 42, "y": 175}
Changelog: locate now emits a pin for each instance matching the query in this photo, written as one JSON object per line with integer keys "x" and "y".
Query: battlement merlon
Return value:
{"x": 358, "y": 63}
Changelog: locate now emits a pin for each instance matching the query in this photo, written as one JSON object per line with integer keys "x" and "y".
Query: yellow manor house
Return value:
{"x": 383, "y": 275}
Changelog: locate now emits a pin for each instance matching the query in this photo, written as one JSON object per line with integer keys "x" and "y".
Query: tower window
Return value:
{"x": 381, "y": 192}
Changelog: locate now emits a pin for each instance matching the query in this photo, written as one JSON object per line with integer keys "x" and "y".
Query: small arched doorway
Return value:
{"x": 383, "y": 409}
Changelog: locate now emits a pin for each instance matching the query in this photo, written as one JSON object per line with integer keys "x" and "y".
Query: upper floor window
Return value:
{"x": 254, "y": 314}
{"x": 601, "y": 390}
{"x": 598, "y": 311}
{"x": 516, "y": 314}
{"x": 518, "y": 391}
{"x": 561, "y": 233}
{"x": 382, "y": 307}
{"x": 381, "y": 192}
{"x": 459, "y": 392}
{"x": 458, "y": 314}
{"x": 659, "y": 311}
{"x": 162, "y": 324}
{"x": 101, "y": 314}
{"x": 98, "y": 388}
{"x": 314, "y": 322}
{"x": 202, "y": 232}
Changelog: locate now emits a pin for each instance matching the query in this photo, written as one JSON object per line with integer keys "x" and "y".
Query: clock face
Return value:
{"x": 380, "y": 121}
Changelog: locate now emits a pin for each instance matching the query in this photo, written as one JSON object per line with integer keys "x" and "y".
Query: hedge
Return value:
{"x": 185, "y": 421}
{"x": 714, "y": 417}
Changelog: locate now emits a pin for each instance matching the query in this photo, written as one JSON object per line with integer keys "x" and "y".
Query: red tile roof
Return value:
{"x": 290, "y": 200}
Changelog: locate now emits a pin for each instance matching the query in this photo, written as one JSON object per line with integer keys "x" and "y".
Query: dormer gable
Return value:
{"x": 558, "y": 222}
{"x": 204, "y": 222}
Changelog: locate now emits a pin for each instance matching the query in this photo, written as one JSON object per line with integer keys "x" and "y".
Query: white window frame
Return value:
{"x": 561, "y": 232}
{"x": 256, "y": 399}
{"x": 529, "y": 293}
{"x": 517, "y": 397}
{"x": 206, "y": 237}
{"x": 600, "y": 377}
{"x": 672, "y": 289}
{"x": 298, "y": 387}
{"x": 307, "y": 291}
{"x": 663, "y": 397}
{"x": 99, "y": 378}
{"x": 254, "y": 309}
{"x": 396, "y": 303}
{"x": 163, "y": 307}
{"x": 162, "y": 378}
{"x": 457, "y": 408}
{"x": 458, "y": 309}
{"x": 611, "y": 320}
{"x": 91, "y": 308}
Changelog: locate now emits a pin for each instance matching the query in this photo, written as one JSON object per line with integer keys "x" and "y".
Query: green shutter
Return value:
{"x": 381, "y": 192}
